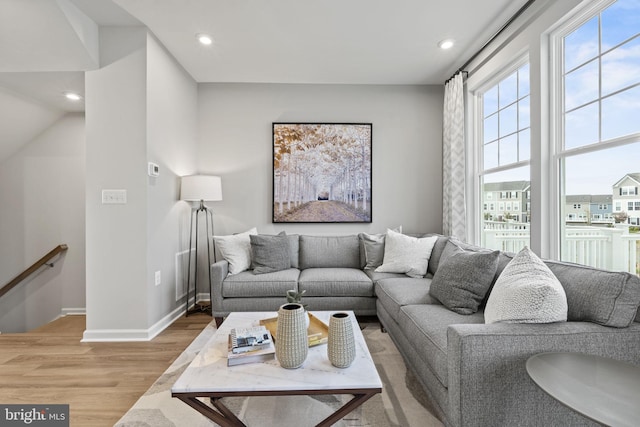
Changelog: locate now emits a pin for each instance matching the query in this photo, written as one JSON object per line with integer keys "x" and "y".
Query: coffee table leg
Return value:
{"x": 225, "y": 417}
{"x": 358, "y": 399}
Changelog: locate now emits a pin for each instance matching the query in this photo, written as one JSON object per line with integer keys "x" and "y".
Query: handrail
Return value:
{"x": 36, "y": 265}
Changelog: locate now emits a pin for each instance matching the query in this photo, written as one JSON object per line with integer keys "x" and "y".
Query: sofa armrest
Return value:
{"x": 488, "y": 382}
{"x": 219, "y": 272}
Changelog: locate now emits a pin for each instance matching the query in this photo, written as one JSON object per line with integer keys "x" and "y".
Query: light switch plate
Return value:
{"x": 114, "y": 197}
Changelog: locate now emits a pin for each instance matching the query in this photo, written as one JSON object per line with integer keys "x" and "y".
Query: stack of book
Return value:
{"x": 250, "y": 345}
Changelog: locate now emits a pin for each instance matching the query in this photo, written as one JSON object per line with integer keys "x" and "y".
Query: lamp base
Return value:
{"x": 200, "y": 307}
{"x": 208, "y": 218}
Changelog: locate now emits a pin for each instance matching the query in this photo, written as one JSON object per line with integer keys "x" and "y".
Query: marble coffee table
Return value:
{"x": 208, "y": 376}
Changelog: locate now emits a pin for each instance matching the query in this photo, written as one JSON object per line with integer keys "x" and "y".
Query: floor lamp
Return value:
{"x": 198, "y": 188}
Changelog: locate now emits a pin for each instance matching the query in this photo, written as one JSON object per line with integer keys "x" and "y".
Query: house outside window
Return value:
{"x": 596, "y": 61}
{"x": 504, "y": 146}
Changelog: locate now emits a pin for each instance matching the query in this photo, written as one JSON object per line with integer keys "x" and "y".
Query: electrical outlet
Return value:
{"x": 158, "y": 278}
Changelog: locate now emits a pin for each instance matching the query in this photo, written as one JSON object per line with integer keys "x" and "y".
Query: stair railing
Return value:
{"x": 36, "y": 265}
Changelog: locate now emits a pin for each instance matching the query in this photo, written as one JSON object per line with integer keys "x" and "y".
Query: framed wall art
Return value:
{"x": 322, "y": 172}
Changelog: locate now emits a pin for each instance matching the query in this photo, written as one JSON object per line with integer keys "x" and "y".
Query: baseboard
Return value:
{"x": 119, "y": 335}
{"x": 80, "y": 311}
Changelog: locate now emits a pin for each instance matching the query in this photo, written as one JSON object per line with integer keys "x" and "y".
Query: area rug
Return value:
{"x": 399, "y": 405}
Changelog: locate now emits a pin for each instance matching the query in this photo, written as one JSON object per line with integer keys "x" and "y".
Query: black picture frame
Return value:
{"x": 322, "y": 172}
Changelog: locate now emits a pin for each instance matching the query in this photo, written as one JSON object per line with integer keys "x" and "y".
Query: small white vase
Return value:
{"x": 292, "y": 344}
{"x": 341, "y": 347}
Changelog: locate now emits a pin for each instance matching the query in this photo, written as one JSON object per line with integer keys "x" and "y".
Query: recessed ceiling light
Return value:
{"x": 446, "y": 44}
{"x": 204, "y": 39}
{"x": 72, "y": 96}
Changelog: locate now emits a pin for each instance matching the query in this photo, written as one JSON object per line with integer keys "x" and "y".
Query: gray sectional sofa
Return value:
{"x": 473, "y": 373}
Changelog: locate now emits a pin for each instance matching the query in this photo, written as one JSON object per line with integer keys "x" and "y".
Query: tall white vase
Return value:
{"x": 341, "y": 347}
{"x": 292, "y": 344}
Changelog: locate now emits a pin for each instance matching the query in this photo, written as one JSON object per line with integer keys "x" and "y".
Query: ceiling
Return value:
{"x": 46, "y": 46}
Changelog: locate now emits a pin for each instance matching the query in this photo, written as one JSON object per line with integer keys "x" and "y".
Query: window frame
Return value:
{"x": 557, "y": 118}
{"x": 476, "y": 141}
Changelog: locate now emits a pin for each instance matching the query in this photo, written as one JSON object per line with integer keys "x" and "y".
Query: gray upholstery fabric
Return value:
{"x": 488, "y": 379}
{"x": 395, "y": 293}
{"x": 425, "y": 326}
{"x": 294, "y": 249}
{"x": 270, "y": 253}
{"x": 373, "y": 247}
{"x": 436, "y": 252}
{"x": 435, "y": 390}
{"x": 463, "y": 279}
{"x": 247, "y": 284}
{"x": 335, "y": 282}
{"x": 604, "y": 297}
{"x": 329, "y": 251}
{"x": 375, "y": 276}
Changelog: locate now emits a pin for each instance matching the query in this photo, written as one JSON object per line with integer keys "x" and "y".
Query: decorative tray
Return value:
{"x": 318, "y": 331}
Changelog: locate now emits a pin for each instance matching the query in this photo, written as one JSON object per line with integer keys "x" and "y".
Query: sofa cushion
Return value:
{"x": 246, "y": 284}
{"x": 604, "y": 297}
{"x": 270, "y": 253}
{"x": 463, "y": 279}
{"x": 329, "y": 251}
{"x": 406, "y": 254}
{"x": 436, "y": 252}
{"x": 236, "y": 249}
{"x": 372, "y": 249}
{"x": 294, "y": 249}
{"x": 375, "y": 276}
{"x": 526, "y": 292}
{"x": 394, "y": 293}
{"x": 321, "y": 282}
{"x": 425, "y": 326}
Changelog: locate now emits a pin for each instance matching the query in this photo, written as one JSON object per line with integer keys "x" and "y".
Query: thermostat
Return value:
{"x": 154, "y": 170}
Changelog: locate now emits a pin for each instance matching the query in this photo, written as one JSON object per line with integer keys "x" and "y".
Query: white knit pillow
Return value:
{"x": 526, "y": 292}
{"x": 406, "y": 254}
{"x": 236, "y": 249}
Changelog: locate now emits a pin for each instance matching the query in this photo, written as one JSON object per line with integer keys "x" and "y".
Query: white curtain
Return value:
{"x": 453, "y": 160}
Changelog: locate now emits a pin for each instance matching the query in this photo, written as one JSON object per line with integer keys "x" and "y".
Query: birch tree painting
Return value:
{"x": 321, "y": 172}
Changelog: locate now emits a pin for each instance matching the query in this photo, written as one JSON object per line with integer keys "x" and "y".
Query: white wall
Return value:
{"x": 140, "y": 106}
{"x": 116, "y": 159}
{"x": 172, "y": 102}
{"x": 235, "y": 142}
{"x": 42, "y": 193}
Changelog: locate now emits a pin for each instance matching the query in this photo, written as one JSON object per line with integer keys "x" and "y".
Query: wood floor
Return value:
{"x": 99, "y": 381}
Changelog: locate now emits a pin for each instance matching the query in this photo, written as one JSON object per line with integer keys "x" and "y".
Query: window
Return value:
{"x": 504, "y": 151}
{"x": 598, "y": 102}
{"x": 577, "y": 206}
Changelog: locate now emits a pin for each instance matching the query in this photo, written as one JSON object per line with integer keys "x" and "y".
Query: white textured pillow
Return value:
{"x": 526, "y": 292}
{"x": 406, "y": 254}
{"x": 236, "y": 249}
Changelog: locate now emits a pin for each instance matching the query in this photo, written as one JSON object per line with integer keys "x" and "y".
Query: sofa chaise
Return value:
{"x": 472, "y": 370}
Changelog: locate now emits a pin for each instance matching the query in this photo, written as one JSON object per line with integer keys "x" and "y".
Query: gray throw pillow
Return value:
{"x": 373, "y": 250}
{"x": 463, "y": 279}
{"x": 270, "y": 253}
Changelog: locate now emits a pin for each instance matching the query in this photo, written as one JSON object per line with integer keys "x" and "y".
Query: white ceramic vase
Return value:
{"x": 341, "y": 347}
{"x": 292, "y": 344}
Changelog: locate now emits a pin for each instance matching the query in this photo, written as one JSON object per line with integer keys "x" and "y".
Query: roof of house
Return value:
{"x": 633, "y": 176}
{"x": 589, "y": 198}
{"x": 507, "y": 186}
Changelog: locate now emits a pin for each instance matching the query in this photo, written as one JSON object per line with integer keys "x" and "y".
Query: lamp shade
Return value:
{"x": 201, "y": 187}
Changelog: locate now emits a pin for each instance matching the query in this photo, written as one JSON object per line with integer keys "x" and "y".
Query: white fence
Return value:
{"x": 608, "y": 248}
